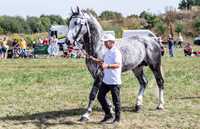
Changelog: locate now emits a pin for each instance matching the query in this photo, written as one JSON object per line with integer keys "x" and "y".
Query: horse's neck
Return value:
{"x": 93, "y": 42}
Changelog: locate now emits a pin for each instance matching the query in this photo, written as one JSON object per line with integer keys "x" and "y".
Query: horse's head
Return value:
{"x": 77, "y": 27}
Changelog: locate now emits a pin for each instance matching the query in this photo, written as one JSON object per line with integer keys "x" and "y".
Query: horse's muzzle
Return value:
{"x": 70, "y": 42}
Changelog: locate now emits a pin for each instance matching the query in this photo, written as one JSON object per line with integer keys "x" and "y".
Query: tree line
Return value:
{"x": 32, "y": 24}
{"x": 169, "y": 22}
{"x": 17, "y": 24}
{"x": 187, "y": 4}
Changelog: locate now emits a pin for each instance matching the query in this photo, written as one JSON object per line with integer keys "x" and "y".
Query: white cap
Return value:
{"x": 108, "y": 37}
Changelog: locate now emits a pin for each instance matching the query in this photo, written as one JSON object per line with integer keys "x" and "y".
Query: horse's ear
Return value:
{"x": 72, "y": 10}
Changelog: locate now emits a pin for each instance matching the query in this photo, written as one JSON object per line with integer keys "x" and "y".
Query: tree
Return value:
{"x": 187, "y": 4}
{"x": 46, "y": 22}
{"x": 182, "y": 5}
{"x": 170, "y": 16}
{"x": 22, "y": 25}
{"x": 10, "y": 24}
{"x": 110, "y": 15}
{"x": 35, "y": 24}
{"x": 196, "y": 2}
{"x": 56, "y": 19}
{"x": 150, "y": 19}
{"x": 179, "y": 27}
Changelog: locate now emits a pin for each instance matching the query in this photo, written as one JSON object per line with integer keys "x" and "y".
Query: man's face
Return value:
{"x": 109, "y": 44}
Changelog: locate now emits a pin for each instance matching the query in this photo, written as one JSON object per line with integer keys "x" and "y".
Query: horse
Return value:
{"x": 137, "y": 52}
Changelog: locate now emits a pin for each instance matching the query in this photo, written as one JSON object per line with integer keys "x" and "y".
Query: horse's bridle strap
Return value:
{"x": 79, "y": 31}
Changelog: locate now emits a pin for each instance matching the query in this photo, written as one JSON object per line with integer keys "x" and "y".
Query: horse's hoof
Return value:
{"x": 160, "y": 108}
{"x": 138, "y": 108}
{"x": 84, "y": 119}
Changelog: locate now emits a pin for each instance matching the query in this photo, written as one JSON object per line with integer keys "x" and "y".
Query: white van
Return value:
{"x": 60, "y": 31}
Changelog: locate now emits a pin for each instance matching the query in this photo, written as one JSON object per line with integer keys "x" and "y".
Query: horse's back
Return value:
{"x": 136, "y": 50}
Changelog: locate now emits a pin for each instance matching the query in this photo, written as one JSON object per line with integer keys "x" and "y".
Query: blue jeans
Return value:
{"x": 171, "y": 51}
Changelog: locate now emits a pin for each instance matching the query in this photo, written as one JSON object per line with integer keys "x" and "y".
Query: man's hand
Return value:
{"x": 97, "y": 61}
{"x": 104, "y": 66}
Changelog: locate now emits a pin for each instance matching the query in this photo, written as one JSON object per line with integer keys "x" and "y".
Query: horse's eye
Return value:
{"x": 75, "y": 23}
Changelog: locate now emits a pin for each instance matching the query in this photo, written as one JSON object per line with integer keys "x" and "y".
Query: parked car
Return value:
{"x": 197, "y": 40}
{"x": 60, "y": 32}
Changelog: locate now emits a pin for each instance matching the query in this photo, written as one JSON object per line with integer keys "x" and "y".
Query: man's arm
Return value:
{"x": 110, "y": 66}
{"x": 96, "y": 60}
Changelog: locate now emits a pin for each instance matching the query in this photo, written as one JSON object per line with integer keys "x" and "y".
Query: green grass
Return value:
{"x": 52, "y": 93}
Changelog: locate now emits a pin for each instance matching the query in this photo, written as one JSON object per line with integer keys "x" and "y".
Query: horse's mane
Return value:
{"x": 94, "y": 24}
{"x": 87, "y": 13}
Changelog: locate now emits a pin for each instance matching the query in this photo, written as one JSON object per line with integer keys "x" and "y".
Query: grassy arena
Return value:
{"x": 52, "y": 93}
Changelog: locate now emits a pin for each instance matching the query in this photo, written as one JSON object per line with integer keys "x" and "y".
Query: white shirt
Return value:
{"x": 113, "y": 76}
{"x": 180, "y": 38}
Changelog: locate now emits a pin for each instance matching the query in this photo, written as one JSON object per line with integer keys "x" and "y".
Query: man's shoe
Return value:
{"x": 107, "y": 118}
{"x": 116, "y": 120}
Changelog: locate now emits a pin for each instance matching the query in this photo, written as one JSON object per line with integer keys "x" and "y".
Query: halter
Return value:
{"x": 83, "y": 22}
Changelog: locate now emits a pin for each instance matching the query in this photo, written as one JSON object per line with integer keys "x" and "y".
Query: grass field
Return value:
{"x": 52, "y": 93}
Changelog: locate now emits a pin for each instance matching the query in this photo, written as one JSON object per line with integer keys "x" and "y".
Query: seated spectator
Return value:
{"x": 40, "y": 41}
{"x": 15, "y": 44}
{"x": 196, "y": 53}
{"x": 16, "y": 48}
{"x": 188, "y": 49}
{"x": 45, "y": 41}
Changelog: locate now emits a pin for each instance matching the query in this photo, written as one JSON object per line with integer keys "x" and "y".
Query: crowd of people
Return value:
{"x": 172, "y": 44}
{"x": 17, "y": 47}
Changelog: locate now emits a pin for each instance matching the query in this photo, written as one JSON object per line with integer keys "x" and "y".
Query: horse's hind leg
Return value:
{"x": 139, "y": 73}
{"x": 160, "y": 82}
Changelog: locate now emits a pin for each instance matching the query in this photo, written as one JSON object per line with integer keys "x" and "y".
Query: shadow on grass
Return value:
{"x": 53, "y": 118}
{"x": 45, "y": 119}
{"x": 198, "y": 97}
{"x": 46, "y": 115}
{"x": 57, "y": 114}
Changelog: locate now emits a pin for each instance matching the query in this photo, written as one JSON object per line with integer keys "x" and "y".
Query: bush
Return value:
{"x": 160, "y": 27}
{"x": 179, "y": 27}
{"x": 1, "y": 31}
{"x": 118, "y": 31}
{"x": 197, "y": 24}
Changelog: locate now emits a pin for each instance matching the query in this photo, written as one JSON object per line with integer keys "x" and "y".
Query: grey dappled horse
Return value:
{"x": 137, "y": 52}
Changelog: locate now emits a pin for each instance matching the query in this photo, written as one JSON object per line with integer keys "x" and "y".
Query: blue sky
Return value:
{"x": 62, "y": 7}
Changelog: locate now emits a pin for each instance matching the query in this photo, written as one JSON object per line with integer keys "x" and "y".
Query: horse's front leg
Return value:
{"x": 93, "y": 93}
{"x": 92, "y": 97}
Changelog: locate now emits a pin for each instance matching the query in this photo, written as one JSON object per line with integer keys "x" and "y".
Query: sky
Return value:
{"x": 62, "y": 7}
